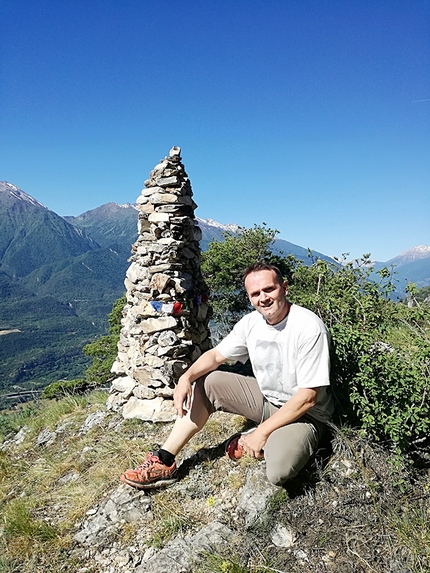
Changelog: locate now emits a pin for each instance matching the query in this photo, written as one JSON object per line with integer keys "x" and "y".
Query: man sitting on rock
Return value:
{"x": 288, "y": 347}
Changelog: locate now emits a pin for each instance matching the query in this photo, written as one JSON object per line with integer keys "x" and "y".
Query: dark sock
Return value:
{"x": 166, "y": 457}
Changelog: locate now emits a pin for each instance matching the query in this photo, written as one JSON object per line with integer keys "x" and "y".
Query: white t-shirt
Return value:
{"x": 290, "y": 355}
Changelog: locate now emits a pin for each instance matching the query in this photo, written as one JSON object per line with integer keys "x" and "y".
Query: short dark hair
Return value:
{"x": 261, "y": 266}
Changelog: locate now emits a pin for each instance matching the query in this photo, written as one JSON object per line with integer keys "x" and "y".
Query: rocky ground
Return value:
{"x": 351, "y": 510}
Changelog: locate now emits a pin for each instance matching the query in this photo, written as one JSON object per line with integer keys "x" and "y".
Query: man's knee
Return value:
{"x": 210, "y": 383}
{"x": 200, "y": 388}
{"x": 288, "y": 451}
{"x": 278, "y": 474}
{"x": 213, "y": 389}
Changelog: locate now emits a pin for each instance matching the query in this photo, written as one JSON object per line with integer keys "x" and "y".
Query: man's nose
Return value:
{"x": 263, "y": 297}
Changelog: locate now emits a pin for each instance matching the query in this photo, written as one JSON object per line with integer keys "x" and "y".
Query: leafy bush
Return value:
{"x": 381, "y": 349}
{"x": 224, "y": 262}
{"x": 381, "y": 358}
{"x": 418, "y": 297}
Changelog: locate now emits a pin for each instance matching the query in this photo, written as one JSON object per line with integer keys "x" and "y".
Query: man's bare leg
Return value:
{"x": 223, "y": 391}
{"x": 187, "y": 426}
{"x": 159, "y": 468}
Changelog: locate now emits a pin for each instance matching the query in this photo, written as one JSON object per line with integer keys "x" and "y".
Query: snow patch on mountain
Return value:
{"x": 232, "y": 227}
{"x": 19, "y": 194}
{"x": 416, "y": 253}
{"x": 419, "y": 252}
{"x": 128, "y": 206}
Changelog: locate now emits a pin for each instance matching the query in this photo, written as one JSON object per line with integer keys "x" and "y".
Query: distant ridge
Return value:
{"x": 13, "y": 193}
{"x": 109, "y": 224}
{"x": 59, "y": 277}
{"x": 31, "y": 235}
{"x": 412, "y": 255}
{"x": 411, "y": 266}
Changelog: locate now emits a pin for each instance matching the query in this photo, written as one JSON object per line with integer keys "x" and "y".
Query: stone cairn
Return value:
{"x": 165, "y": 319}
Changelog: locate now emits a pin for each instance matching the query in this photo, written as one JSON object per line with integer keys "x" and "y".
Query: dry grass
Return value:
{"x": 45, "y": 490}
{"x": 410, "y": 524}
{"x": 359, "y": 516}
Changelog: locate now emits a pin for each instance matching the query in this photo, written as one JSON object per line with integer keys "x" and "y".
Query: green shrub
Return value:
{"x": 381, "y": 348}
{"x": 104, "y": 352}
{"x": 381, "y": 358}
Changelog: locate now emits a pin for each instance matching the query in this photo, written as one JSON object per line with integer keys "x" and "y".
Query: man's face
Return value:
{"x": 267, "y": 296}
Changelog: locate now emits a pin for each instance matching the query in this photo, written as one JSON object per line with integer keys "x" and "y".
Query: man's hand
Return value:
{"x": 182, "y": 396}
{"x": 253, "y": 443}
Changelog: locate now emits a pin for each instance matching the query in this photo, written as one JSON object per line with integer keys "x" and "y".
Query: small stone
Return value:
{"x": 141, "y": 375}
{"x": 143, "y": 392}
{"x": 150, "y": 410}
{"x": 168, "y": 208}
{"x": 154, "y": 361}
{"x": 151, "y": 191}
{"x": 301, "y": 556}
{"x": 146, "y": 208}
{"x": 167, "y": 338}
{"x": 175, "y": 151}
{"x": 156, "y": 324}
{"x": 46, "y": 437}
{"x": 124, "y": 385}
{"x": 162, "y": 198}
{"x": 168, "y": 181}
{"x": 158, "y": 217}
{"x": 92, "y": 420}
{"x": 159, "y": 281}
{"x": 115, "y": 402}
{"x": 282, "y": 537}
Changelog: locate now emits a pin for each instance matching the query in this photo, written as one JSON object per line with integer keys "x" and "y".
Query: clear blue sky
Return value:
{"x": 310, "y": 115}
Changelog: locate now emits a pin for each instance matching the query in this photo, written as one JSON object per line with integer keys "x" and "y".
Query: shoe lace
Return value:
{"x": 150, "y": 461}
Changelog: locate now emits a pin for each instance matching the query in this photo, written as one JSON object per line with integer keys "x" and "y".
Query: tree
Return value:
{"x": 381, "y": 349}
{"x": 417, "y": 296}
{"x": 223, "y": 265}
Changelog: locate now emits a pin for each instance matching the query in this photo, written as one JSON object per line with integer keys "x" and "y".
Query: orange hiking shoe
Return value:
{"x": 152, "y": 473}
{"x": 233, "y": 449}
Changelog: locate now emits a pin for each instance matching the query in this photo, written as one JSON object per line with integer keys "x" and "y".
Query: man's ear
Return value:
{"x": 285, "y": 285}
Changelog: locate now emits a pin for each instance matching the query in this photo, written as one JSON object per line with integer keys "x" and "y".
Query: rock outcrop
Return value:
{"x": 165, "y": 320}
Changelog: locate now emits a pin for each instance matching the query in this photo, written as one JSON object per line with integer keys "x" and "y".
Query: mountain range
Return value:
{"x": 411, "y": 266}
{"x": 59, "y": 277}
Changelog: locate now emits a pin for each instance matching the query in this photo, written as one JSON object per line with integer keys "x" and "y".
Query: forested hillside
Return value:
{"x": 59, "y": 277}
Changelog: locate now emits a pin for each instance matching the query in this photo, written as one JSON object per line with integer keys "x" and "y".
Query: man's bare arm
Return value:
{"x": 207, "y": 362}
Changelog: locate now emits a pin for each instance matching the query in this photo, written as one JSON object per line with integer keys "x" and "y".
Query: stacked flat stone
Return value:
{"x": 165, "y": 320}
